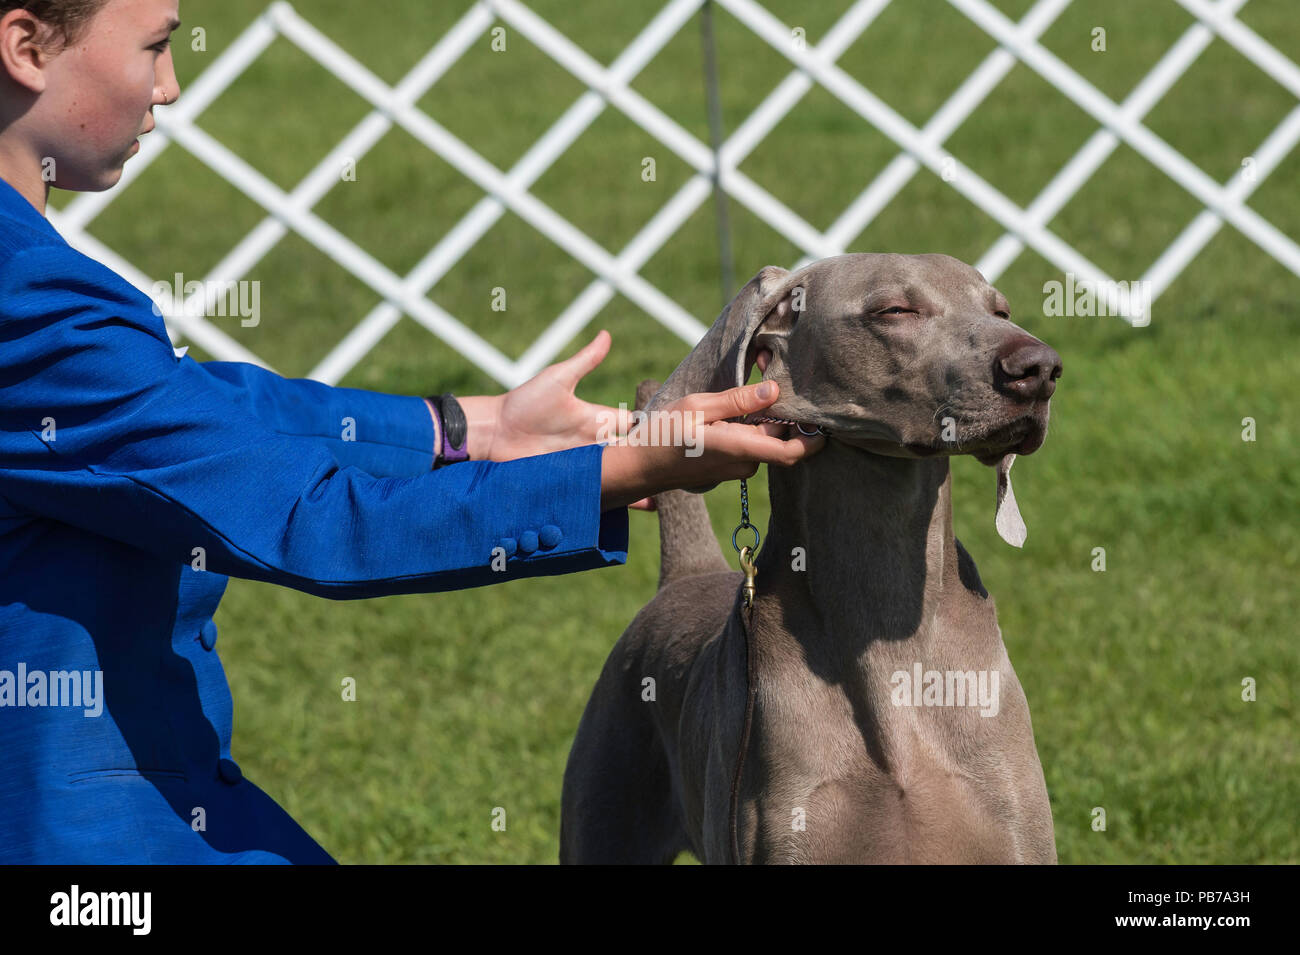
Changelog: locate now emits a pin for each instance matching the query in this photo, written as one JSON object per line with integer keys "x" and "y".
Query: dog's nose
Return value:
{"x": 1029, "y": 368}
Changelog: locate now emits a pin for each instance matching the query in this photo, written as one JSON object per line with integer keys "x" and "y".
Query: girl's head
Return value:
{"x": 78, "y": 83}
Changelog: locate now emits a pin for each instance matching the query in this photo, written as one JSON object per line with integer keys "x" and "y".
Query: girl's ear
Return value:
{"x": 22, "y": 55}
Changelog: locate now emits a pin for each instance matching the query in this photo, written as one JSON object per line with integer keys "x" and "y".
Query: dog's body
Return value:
{"x": 852, "y": 754}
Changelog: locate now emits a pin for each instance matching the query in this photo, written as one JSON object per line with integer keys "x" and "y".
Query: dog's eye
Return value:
{"x": 897, "y": 310}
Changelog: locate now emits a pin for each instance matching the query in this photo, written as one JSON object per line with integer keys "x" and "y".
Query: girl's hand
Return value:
{"x": 727, "y": 450}
{"x": 544, "y": 415}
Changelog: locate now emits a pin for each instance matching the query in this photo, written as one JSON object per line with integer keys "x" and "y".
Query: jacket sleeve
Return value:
{"x": 384, "y": 435}
{"x": 104, "y": 429}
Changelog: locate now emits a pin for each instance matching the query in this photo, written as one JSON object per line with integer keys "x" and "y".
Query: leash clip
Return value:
{"x": 747, "y": 565}
{"x": 749, "y": 550}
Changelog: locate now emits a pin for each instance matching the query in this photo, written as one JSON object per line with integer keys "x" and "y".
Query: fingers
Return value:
{"x": 645, "y": 504}
{"x": 726, "y": 450}
{"x": 732, "y": 403}
{"x": 766, "y": 443}
{"x": 785, "y": 453}
{"x": 582, "y": 362}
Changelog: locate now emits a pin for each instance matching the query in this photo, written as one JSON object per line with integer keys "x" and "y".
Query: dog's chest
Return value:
{"x": 913, "y": 738}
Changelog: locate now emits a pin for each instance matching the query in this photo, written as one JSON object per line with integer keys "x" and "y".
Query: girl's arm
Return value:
{"x": 103, "y": 428}
{"x": 384, "y": 435}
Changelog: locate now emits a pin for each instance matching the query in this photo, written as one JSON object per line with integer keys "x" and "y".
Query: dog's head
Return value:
{"x": 902, "y": 355}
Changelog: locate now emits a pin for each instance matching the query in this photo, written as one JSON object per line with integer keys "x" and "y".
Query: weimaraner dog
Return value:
{"x": 864, "y": 709}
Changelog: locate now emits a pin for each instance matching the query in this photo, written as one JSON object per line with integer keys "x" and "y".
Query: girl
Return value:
{"x": 133, "y": 482}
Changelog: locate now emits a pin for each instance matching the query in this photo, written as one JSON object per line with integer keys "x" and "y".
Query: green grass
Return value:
{"x": 468, "y": 701}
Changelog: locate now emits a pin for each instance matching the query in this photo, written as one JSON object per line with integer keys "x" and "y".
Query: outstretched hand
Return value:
{"x": 544, "y": 414}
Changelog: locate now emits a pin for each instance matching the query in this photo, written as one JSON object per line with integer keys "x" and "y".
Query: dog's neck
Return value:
{"x": 876, "y": 539}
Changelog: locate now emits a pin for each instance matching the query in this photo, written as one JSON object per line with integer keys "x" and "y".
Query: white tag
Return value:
{"x": 180, "y": 352}
{"x": 1010, "y": 525}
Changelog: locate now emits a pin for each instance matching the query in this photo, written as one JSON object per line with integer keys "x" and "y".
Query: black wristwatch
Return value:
{"x": 453, "y": 428}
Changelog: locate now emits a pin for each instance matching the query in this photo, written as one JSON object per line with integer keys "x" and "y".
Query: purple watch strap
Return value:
{"x": 447, "y": 453}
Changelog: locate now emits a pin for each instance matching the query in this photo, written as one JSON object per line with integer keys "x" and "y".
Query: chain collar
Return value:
{"x": 817, "y": 429}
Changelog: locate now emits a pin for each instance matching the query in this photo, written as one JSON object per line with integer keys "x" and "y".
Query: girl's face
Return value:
{"x": 99, "y": 92}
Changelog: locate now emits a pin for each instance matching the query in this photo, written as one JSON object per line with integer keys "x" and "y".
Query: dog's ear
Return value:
{"x": 724, "y": 357}
{"x": 773, "y": 333}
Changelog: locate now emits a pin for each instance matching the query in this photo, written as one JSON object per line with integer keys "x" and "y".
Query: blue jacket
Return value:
{"x": 133, "y": 483}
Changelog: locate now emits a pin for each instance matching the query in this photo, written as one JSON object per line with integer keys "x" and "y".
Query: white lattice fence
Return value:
{"x": 618, "y": 271}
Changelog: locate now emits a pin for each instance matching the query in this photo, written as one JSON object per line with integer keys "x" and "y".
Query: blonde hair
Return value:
{"x": 66, "y": 19}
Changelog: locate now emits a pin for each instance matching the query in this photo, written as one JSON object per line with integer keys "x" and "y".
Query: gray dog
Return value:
{"x": 863, "y": 709}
